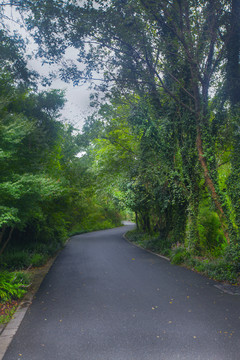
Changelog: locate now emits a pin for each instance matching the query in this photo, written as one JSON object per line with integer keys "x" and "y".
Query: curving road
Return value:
{"x": 105, "y": 299}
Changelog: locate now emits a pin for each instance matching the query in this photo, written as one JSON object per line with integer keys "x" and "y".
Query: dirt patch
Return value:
{"x": 37, "y": 275}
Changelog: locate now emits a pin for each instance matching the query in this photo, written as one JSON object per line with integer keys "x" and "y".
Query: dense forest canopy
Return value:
{"x": 46, "y": 190}
{"x": 165, "y": 144}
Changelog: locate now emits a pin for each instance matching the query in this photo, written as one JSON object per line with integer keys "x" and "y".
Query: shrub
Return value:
{"x": 221, "y": 271}
{"x": 13, "y": 285}
{"x": 211, "y": 237}
{"x": 232, "y": 255}
{"x": 38, "y": 259}
{"x": 179, "y": 255}
{"x": 92, "y": 224}
{"x": 218, "y": 269}
{"x": 17, "y": 260}
{"x": 35, "y": 254}
{"x": 151, "y": 242}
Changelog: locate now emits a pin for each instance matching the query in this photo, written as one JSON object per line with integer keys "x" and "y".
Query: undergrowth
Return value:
{"x": 35, "y": 255}
{"x": 8, "y": 312}
{"x": 225, "y": 267}
{"x": 13, "y": 285}
{"x": 93, "y": 226}
{"x": 150, "y": 242}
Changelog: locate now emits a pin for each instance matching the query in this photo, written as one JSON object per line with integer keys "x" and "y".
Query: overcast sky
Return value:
{"x": 77, "y": 107}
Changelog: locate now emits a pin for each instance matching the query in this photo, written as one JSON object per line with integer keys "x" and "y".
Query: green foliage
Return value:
{"x": 16, "y": 260}
{"x": 7, "y": 316}
{"x": 179, "y": 255}
{"x": 161, "y": 147}
{"x": 89, "y": 226}
{"x": 211, "y": 237}
{"x": 150, "y": 242}
{"x": 218, "y": 270}
{"x": 46, "y": 249}
{"x": 222, "y": 269}
{"x": 232, "y": 255}
{"x": 38, "y": 260}
{"x": 22, "y": 254}
{"x": 44, "y": 189}
{"x": 12, "y": 285}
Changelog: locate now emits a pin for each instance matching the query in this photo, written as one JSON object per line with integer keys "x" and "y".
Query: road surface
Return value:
{"x": 105, "y": 299}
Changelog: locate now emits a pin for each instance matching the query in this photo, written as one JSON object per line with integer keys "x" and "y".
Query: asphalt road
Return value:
{"x": 105, "y": 299}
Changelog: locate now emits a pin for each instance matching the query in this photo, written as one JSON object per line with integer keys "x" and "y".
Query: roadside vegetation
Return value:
{"x": 47, "y": 191}
{"x": 221, "y": 266}
{"x": 163, "y": 143}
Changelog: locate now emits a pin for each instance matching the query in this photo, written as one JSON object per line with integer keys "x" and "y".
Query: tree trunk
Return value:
{"x": 136, "y": 217}
{"x": 192, "y": 232}
{"x": 2, "y": 233}
{"x": 7, "y": 241}
{"x": 210, "y": 185}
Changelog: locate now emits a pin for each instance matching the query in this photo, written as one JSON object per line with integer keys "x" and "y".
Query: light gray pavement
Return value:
{"x": 105, "y": 299}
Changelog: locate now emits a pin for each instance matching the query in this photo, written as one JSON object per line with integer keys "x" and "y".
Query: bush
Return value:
{"x": 221, "y": 271}
{"x": 35, "y": 254}
{"x": 218, "y": 270}
{"x": 38, "y": 259}
{"x": 48, "y": 249}
{"x": 150, "y": 241}
{"x": 232, "y": 255}
{"x": 18, "y": 260}
{"x": 92, "y": 225}
{"x": 179, "y": 255}
{"x": 226, "y": 269}
{"x": 211, "y": 237}
{"x": 13, "y": 285}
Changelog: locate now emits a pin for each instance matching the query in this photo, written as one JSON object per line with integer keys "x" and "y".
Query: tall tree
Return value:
{"x": 143, "y": 46}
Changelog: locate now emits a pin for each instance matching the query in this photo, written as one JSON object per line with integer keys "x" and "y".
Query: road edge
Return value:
{"x": 12, "y": 326}
{"x": 222, "y": 287}
{"x": 140, "y": 247}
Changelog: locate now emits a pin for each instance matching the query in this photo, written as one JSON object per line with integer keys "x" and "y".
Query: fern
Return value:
{"x": 12, "y": 285}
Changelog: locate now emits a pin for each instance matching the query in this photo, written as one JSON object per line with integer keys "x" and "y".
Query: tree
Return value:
{"x": 174, "y": 54}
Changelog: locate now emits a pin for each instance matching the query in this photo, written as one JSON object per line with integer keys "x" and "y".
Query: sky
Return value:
{"x": 77, "y": 106}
